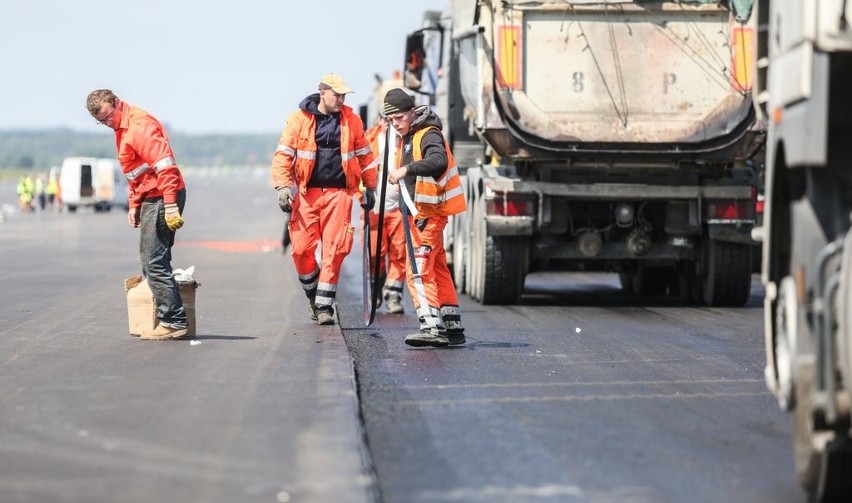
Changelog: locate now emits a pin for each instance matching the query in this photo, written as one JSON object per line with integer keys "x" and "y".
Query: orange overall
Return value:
{"x": 392, "y": 261}
{"x": 321, "y": 214}
{"x": 432, "y": 288}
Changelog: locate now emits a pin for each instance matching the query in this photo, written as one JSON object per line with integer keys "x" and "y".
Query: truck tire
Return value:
{"x": 460, "y": 255}
{"x": 497, "y": 263}
{"x": 503, "y": 278}
{"x": 822, "y": 466}
{"x": 726, "y": 278}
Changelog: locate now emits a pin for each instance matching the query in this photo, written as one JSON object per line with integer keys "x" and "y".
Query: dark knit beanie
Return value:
{"x": 397, "y": 100}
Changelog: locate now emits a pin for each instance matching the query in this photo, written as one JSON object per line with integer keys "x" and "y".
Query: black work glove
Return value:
{"x": 285, "y": 199}
{"x": 369, "y": 199}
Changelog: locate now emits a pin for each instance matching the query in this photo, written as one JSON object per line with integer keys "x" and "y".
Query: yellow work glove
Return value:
{"x": 173, "y": 219}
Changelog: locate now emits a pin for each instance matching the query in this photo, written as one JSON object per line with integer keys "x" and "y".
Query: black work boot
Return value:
{"x": 455, "y": 336}
{"x": 426, "y": 338}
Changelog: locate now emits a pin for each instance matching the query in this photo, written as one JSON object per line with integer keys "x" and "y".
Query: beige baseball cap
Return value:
{"x": 335, "y": 83}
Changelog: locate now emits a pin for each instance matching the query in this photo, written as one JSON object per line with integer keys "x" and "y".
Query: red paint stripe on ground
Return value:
{"x": 263, "y": 245}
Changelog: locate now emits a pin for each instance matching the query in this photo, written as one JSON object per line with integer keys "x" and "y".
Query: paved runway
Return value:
{"x": 263, "y": 409}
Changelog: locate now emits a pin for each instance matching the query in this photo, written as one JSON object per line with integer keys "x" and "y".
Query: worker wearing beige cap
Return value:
{"x": 321, "y": 160}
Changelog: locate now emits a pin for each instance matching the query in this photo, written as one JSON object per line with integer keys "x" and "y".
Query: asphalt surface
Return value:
{"x": 263, "y": 409}
{"x": 581, "y": 393}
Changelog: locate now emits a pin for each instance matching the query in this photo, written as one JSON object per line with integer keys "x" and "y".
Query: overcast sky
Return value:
{"x": 200, "y": 66}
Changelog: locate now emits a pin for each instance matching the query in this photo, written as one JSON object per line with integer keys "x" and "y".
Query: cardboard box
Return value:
{"x": 141, "y": 310}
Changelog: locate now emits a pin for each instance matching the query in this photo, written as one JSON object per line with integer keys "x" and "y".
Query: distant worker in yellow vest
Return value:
{"x": 433, "y": 193}
{"x": 25, "y": 191}
{"x": 52, "y": 190}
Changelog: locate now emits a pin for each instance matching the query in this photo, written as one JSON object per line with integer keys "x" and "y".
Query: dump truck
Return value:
{"x": 600, "y": 136}
{"x": 804, "y": 60}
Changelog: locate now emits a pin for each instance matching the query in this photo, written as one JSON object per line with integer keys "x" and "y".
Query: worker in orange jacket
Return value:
{"x": 391, "y": 271}
{"x": 321, "y": 160}
{"x": 433, "y": 193}
{"x": 157, "y": 195}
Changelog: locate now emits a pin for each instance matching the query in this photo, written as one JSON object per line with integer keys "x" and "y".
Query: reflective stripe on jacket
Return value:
{"x": 436, "y": 197}
{"x": 296, "y": 154}
{"x": 142, "y": 142}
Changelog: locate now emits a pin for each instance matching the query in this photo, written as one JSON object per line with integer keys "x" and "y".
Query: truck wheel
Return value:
{"x": 823, "y": 458}
{"x": 844, "y": 315}
{"x": 726, "y": 278}
{"x": 503, "y": 281}
{"x": 460, "y": 255}
{"x": 804, "y": 451}
{"x": 786, "y": 337}
{"x": 474, "y": 274}
{"x": 498, "y": 263}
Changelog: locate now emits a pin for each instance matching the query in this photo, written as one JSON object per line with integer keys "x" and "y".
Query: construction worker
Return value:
{"x": 392, "y": 262}
{"x": 433, "y": 193}
{"x": 321, "y": 160}
{"x": 51, "y": 190}
{"x": 40, "y": 195}
{"x": 156, "y": 201}
{"x": 25, "y": 192}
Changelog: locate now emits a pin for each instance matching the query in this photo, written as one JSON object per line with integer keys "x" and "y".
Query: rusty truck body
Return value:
{"x": 611, "y": 136}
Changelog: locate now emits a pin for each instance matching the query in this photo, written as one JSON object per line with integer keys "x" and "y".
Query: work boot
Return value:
{"x": 394, "y": 306}
{"x": 312, "y": 311}
{"x": 455, "y": 336}
{"x": 162, "y": 333}
{"x": 325, "y": 317}
{"x": 426, "y": 338}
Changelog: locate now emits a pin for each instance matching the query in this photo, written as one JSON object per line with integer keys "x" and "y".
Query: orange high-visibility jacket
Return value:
{"x": 146, "y": 157}
{"x": 441, "y": 197}
{"x": 373, "y": 134}
{"x": 296, "y": 154}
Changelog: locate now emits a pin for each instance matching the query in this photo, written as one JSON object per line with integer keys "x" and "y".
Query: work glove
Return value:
{"x": 369, "y": 199}
{"x": 285, "y": 199}
{"x": 173, "y": 219}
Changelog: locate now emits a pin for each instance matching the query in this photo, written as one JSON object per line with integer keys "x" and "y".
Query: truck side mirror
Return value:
{"x": 414, "y": 62}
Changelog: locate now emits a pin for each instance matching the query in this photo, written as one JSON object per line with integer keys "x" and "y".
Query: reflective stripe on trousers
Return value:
{"x": 321, "y": 215}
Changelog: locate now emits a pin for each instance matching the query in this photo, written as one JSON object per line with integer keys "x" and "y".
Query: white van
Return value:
{"x": 91, "y": 181}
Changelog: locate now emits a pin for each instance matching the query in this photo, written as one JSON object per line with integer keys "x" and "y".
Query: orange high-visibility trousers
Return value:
{"x": 321, "y": 215}
{"x": 392, "y": 262}
{"x": 434, "y": 283}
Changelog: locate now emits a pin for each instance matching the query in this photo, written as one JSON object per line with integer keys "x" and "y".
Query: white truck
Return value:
{"x": 805, "y": 74}
{"x": 594, "y": 135}
{"x": 92, "y": 182}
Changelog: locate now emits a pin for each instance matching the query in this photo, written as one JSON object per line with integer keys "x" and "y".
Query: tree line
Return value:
{"x": 42, "y": 149}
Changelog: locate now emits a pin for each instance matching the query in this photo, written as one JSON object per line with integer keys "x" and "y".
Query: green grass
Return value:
{"x": 14, "y": 174}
